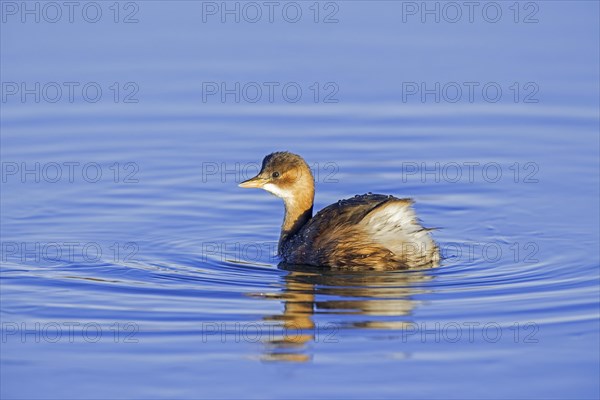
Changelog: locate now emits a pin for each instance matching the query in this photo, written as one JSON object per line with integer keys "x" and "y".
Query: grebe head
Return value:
{"x": 286, "y": 175}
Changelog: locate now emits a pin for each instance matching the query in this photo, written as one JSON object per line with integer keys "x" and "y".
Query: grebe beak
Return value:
{"x": 256, "y": 182}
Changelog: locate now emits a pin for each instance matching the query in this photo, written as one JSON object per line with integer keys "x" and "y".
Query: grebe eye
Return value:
{"x": 275, "y": 174}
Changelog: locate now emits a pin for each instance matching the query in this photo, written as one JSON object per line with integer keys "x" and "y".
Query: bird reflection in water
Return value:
{"x": 365, "y": 300}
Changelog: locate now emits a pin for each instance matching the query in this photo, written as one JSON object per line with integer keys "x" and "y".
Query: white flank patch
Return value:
{"x": 395, "y": 226}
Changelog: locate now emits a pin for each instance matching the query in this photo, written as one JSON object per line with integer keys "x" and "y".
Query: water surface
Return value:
{"x": 134, "y": 267}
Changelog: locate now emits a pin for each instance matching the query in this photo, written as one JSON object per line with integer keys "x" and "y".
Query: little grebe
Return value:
{"x": 371, "y": 231}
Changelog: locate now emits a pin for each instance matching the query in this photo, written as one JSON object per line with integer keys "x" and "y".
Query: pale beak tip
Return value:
{"x": 256, "y": 182}
{"x": 249, "y": 184}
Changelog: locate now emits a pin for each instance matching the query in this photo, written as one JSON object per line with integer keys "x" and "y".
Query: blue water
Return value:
{"x": 134, "y": 267}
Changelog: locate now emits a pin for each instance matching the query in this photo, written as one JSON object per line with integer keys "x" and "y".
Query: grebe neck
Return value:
{"x": 298, "y": 211}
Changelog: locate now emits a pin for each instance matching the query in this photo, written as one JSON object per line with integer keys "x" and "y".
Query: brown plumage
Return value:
{"x": 370, "y": 231}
